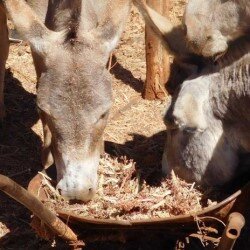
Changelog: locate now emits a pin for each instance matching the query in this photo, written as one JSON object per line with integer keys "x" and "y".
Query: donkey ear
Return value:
{"x": 111, "y": 18}
{"x": 29, "y": 25}
{"x": 173, "y": 37}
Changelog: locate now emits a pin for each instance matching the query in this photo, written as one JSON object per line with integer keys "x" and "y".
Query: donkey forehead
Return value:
{"x": 77, "y": 54}
{"x": 76, "y": 64}
{"x": 78, "y": 102}
{"x": 200, "y": 13}
{"x": 81, "y": 91}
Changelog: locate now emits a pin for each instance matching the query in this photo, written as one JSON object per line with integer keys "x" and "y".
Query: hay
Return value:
{"x": 123, "y": 195}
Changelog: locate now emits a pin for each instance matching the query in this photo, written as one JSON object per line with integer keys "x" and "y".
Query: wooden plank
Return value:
{"x": 157, "y": 58}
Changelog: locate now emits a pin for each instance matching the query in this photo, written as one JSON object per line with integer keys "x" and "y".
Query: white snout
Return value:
{"x": 77, "y": 187}
{"x": 78, "y": 180}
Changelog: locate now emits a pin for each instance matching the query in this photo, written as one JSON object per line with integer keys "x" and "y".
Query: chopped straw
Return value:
{"x": 122, "y": 195}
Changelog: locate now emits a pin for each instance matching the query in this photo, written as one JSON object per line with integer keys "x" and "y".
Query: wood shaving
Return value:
{"x": 122, "y": 195}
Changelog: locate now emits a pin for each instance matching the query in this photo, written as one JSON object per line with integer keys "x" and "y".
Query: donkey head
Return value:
{"x": 74, "y": 98}
{"x": 202, "y": 32}
{"x": 74, "y": 89}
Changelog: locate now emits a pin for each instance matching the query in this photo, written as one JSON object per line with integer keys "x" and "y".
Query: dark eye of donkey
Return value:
{"x": 209, "y": 38}
{"x": 102, "y": 116}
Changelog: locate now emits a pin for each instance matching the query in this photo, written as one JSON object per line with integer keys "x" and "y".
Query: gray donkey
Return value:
{"x": 70, "y": 53}
{"x": 209, "y": 26}
{"x": 208, "y": 119}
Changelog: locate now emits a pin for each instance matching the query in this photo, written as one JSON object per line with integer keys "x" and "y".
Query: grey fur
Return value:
{"x": 208, "y": 119}
{"x": 206, "y": 143}
{"x": 212, "y": 24}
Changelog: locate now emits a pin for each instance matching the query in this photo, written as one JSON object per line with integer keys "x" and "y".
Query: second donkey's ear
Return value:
{"x": 173, "y": 37}
{"x": 30, "y": 26}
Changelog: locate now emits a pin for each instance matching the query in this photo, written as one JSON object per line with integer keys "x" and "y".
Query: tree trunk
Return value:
{"x": 157, "y": 58}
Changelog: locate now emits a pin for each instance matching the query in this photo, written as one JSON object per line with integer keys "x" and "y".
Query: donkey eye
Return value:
{"x": 209, "y": 38}
{"x": 104, "y": 115}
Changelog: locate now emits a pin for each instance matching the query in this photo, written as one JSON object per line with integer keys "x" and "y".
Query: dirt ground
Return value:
{"x": 139, "y": 136}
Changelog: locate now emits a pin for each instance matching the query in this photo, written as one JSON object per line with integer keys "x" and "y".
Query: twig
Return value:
{"x": 138, "y": 186}
{"x": 210, "y": 229}
{"x": 45, "y": 176}
{"x": 159, "y": 204}
{"x": 101, "y": 182}
{"x": 192, "y": 186}
{"x": 213, "y": 218}
{"x": 110, "y": 62}
{"x": 200, "y": 231}
{"x": 125, "y": 179}
{"x": 51, "y": 188}
{"x": 46, "y": 192}
{"x": 205, "y": 237}
{"x": 15, "y": 40}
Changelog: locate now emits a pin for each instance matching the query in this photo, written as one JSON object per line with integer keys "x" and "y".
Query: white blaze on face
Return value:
{"x": 77, "y": 178}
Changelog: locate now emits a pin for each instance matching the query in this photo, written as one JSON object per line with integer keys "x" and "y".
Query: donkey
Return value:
{"x": 209, "y": 26}
{"x": 207, "y": 119}
{"x": 70, "y": 53}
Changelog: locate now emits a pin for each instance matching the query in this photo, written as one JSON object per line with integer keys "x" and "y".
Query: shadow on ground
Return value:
{"x": 19, "y": 158}
{"x": 125, "y": 75}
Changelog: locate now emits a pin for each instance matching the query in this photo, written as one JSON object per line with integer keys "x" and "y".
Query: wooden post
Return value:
{"x": 157, "y": 58}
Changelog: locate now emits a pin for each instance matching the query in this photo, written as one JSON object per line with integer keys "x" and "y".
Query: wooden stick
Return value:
{"x": 157, "y": 58}
{"x": 21, "y": 195}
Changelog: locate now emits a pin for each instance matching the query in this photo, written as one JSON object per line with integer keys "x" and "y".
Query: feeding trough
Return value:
{"x": 70, "y": 227}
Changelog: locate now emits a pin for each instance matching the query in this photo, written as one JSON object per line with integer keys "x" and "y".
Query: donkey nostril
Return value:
{"x": 90, "y": 190}
{"x": 59, "y": 191}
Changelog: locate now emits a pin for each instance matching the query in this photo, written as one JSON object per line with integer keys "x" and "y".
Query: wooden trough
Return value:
{"x": 227, "y": 216}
